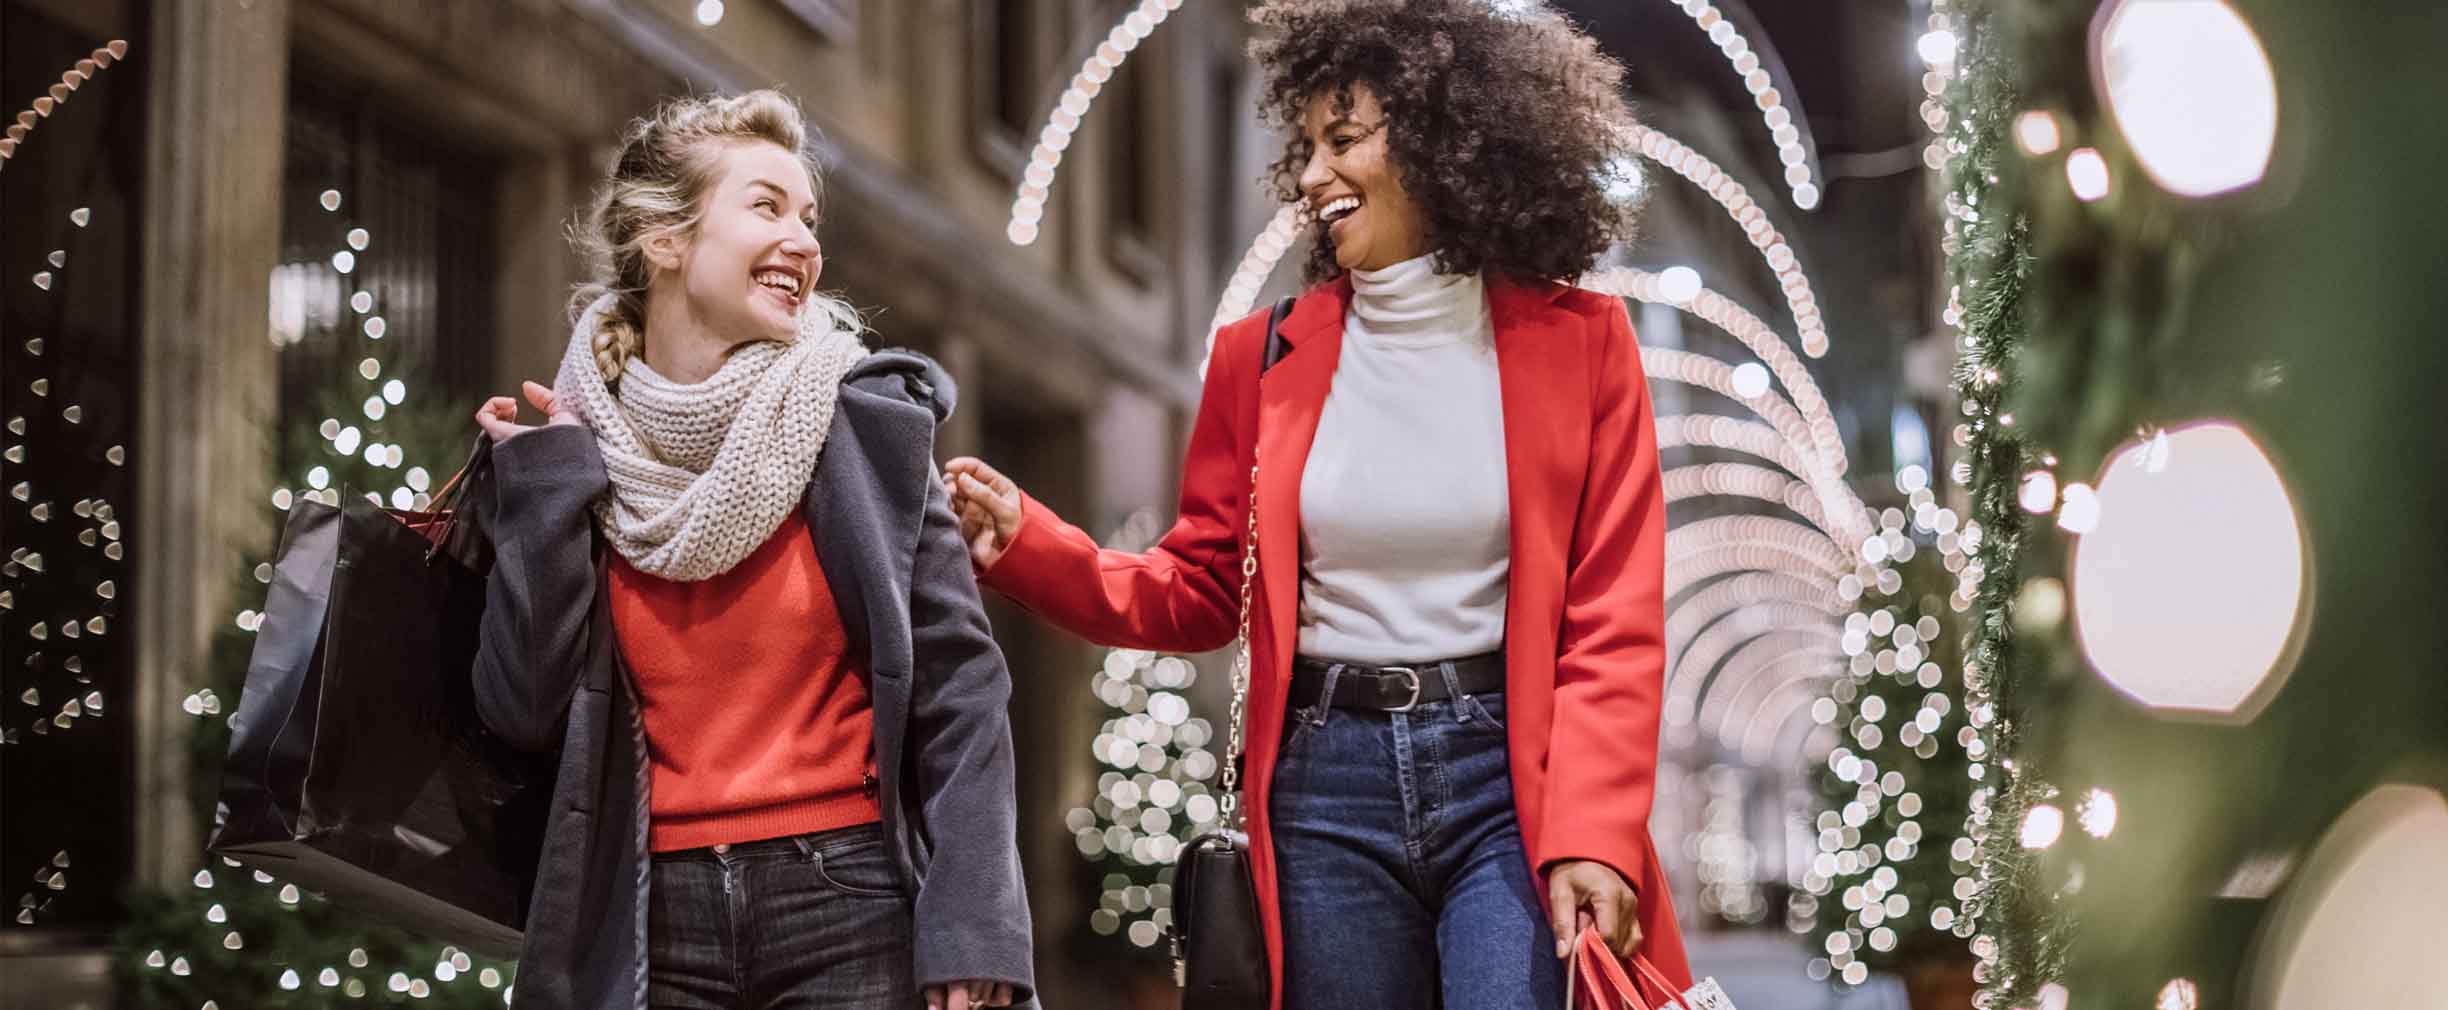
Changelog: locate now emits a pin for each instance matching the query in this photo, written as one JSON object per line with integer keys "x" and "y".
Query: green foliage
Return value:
{"x": 1894, "y": 793}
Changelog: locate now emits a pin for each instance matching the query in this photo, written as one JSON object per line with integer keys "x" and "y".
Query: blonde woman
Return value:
{"x": 728, "y": 592}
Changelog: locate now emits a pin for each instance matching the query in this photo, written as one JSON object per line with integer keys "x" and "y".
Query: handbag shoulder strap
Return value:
{"x": 1275, "y": 343}
{"x": 1274, "y": 350}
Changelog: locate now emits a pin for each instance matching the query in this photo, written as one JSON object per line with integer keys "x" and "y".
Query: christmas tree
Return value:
{"x": 1886, "y": 888}
{"x": 240, "y": 937}
{"x": 1155, "y": 794}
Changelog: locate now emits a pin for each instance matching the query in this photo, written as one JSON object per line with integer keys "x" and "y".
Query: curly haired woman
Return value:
{"x": 1456, "y": 638}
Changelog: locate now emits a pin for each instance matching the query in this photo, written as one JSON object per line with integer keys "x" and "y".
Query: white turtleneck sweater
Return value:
{"x": 1405, "y": 525}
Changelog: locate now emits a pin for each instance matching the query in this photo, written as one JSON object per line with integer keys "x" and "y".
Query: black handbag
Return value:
{"x": 1218, "y": 940}
{"x": 358, "y": 767}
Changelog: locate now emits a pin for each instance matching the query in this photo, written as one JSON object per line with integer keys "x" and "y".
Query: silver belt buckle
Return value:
{"x": 1414, "y": 677}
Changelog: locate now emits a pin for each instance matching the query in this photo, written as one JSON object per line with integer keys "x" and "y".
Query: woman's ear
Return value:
{"x": 664, "y": 249}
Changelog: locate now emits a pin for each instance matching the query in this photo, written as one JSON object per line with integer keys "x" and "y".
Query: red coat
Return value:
{"x": 1585, "y": 636}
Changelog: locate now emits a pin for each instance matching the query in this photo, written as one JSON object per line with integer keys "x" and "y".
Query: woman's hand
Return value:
{"x": 988, "y": 505}
{"x": 968, "y": 995}
{"x": 499, "y": 415}
{"x": 1585, "y": 891}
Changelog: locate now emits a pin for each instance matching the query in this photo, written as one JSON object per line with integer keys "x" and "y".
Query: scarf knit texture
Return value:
{"x": 702, "y": 474}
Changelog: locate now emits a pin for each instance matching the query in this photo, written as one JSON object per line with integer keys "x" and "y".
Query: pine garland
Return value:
{"x": 2018, "y": 932}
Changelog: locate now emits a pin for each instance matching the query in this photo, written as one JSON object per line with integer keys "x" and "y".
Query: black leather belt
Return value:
{"x": 1395, "y": 688}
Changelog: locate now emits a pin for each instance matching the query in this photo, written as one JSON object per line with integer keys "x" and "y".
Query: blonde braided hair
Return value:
{"x": 668, "y": 161}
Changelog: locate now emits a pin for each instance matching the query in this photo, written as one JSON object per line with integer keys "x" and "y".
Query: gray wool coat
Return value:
{"x": 549, "y": 677}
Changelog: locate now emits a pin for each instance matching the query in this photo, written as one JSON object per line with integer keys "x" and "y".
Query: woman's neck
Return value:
{"x": 679, "y": 347}
{"x": 1409, "y": 303}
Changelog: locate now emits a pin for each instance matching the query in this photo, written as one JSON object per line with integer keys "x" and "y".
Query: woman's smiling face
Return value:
{"x": 753, "y": 259}
{"x": 1351, "y": 186}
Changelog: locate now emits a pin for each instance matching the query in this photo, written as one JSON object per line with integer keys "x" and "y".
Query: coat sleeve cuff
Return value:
{"x": 553, "y": 456}
{"x": 1029, "y": 565}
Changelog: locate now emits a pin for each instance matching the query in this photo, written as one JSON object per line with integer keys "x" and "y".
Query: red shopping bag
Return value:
{"x": 1596, "y": 980}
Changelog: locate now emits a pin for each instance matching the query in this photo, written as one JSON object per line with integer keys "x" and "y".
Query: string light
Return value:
{"x": 2192, "y": 91}
{"x": 2190, "y": 591}
{"x": 1763, "y": 235}
{"x": 2087, "y": 173}
{"x": 1241, "y": 291}
{"x": 57, "y": 95}
{"x": 1759, "y": 668}
{"x": 1778, "y": 112}
{"x": 1688, "y": 677}
{"x": 1826, "y": 439}
{"x": 1071, "y": 108}
{"x": 2036, "y": 132}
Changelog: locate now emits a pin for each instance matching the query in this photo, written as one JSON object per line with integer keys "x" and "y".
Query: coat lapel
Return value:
{"x": 1291, "y": 396}
{"x": 865, "y": 508}
{"x": 1539, "y": 363}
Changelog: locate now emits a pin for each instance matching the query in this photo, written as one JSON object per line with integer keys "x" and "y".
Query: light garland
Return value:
{"x": 1696, "y": 612}
{"x": 1758, "y": 670}
{"x": 1743, "y": 480}
{"x": 1733, "y": 434}
{"x": 1071, "y": 109}
{"x": 1241, "y": 291}
{"x": 1666, "y": 364}
{"x": 100, "y": 532}
{"x": 1769, "y": 740}
{"x": 1737, "y": 322}
{"x": 1778, "y": 112}
{"x": 1689, "y": 673}
{"x": 1729, "y": 194}
{"x": 57, "y": 95}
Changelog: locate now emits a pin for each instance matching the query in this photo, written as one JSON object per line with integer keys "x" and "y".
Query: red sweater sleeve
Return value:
{"x": 1181, "y": 595}
{"x": 1610, "y": 666}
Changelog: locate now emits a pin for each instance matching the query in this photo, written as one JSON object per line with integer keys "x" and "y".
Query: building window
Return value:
{"x": 387, "y": 256}
{"x": 1128, "y": 110}
{"x": 1232, "y": 184}
{"x": 1003, "y": 81}
{"x": 69, "y": 532}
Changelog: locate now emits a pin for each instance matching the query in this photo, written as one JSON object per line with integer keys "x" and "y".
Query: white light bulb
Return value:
{"x": 2192, "y": 90}
{"x": 1750, "y": 380}
{"x": 2081, "y": 512}
{"x": 1679, "y": 284}
{"x": 2041, "y": 826}
{"x": 2190, "y": 591}
{"x": 1937, "y": 48}
{"x": 2087, "y": 173}
{"x": 2098, "y": 813}
{"x": 2039, "y": 492}
{"x": 2036, "y": 132}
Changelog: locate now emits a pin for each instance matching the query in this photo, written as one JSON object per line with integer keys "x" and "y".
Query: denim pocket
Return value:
{"x": 1299, "y": 726}
{"x": 1484, "y": 711}
{"x": 862, "y": 868}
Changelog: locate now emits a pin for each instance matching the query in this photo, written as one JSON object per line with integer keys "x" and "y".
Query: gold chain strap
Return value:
{"x": 1231, "y": 802}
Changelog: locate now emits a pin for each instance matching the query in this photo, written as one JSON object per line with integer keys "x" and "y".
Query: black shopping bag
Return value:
{"x": 358, "y": 767}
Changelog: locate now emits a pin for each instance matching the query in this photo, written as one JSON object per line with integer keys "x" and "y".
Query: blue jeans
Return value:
{"x": 1400, "y": 863}
{"x": 809, "y": 921}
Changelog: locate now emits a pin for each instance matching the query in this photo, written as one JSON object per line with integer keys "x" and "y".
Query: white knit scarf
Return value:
{"x": 703, "y": 474}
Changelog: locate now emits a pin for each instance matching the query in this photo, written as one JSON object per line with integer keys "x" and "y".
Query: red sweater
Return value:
{"x": 757, "y": 718}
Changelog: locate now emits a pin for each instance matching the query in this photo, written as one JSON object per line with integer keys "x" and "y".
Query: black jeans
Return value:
{"x": 820, "y": 920}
